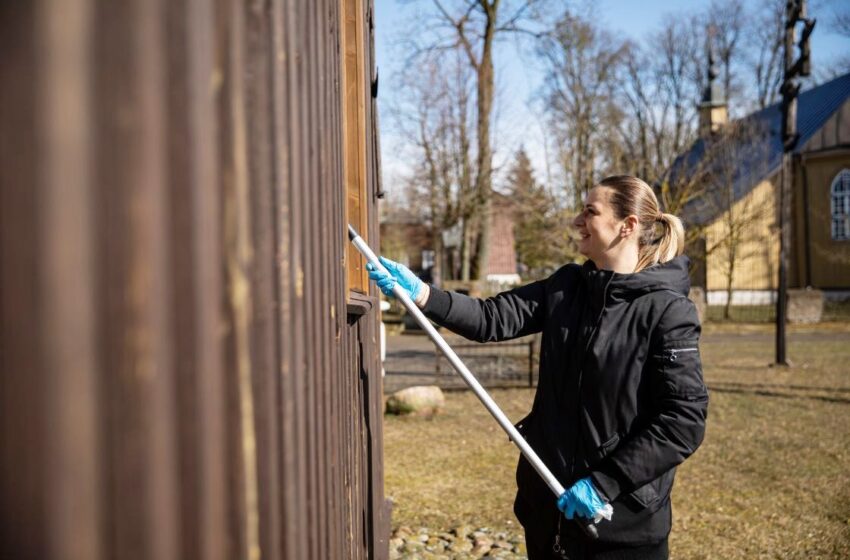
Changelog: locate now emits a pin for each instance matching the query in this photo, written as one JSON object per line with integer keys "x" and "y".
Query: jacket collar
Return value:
{"x": 671, "y": 275}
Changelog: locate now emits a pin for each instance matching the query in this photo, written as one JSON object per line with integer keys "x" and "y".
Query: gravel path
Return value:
{"x": 461, "y": 543}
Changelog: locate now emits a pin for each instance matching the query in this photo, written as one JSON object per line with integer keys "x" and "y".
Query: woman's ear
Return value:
{"x": 629, "y": 227}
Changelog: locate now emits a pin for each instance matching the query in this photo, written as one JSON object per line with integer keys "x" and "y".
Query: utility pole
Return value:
{"x": 795, "y": 12}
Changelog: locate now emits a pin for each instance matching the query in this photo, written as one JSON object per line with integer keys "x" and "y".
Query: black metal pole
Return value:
{"x": 794, "y": 9}
{"x": 782, "y": 296}
{"x": 795, "y": 12}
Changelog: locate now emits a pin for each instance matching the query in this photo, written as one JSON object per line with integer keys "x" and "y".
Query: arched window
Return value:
{"x": 840, "y": 206}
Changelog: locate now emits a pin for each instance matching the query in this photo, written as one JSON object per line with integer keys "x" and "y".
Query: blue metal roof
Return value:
{"x": 752, "y": 162}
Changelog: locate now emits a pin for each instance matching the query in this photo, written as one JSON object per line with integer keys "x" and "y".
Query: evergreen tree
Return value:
{"x": 542, "y": 227}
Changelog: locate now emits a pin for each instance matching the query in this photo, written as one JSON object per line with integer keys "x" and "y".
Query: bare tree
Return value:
{"x": 839, "y": 23}
{"x": 727, "y": 20}
{"x": 660, "y": 87}
{"x": 582, "y": 61}
{"x": 635, "y": 133}
{"x": 764, "y": 40}
{"x": 472, "y": 26}
{"x": 434, "y": 114}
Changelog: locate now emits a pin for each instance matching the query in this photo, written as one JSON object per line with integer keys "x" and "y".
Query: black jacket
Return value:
{"x": 620, "y": 396}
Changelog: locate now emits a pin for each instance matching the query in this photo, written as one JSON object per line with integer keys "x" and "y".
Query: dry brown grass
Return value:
{"x": 772, "y": 479}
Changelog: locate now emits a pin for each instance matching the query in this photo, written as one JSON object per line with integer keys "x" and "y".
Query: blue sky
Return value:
{"x": 518, "y": 77}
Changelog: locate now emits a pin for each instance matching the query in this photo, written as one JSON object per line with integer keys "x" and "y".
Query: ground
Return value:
{"x": 771, "y": 480}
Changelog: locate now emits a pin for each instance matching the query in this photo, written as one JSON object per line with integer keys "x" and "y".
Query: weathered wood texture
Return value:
{"x": 183, "y": 372}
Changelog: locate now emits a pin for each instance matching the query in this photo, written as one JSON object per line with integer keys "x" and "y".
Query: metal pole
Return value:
{"x": 586, "y": 525}
{"x": 795, "y": 12}
{"x": 782, "y": 296}
{"x": 464, "y": 372}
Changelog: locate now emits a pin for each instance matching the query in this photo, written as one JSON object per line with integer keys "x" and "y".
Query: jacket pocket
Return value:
{"x": 653, "y": 491}
{"x": 680, "y": 369}
{"x": 644, "y": 496}
{"x": 673, "y": 355}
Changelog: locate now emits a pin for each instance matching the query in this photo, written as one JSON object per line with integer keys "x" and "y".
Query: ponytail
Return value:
{"x": 669, "y": 245}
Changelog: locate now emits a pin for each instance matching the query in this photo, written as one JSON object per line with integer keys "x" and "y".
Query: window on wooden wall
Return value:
{"x": 354, "y": 136}
{"x": 840, "y": 206}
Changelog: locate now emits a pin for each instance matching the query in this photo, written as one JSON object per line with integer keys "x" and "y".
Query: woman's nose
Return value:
{"x": 578, "y": 220}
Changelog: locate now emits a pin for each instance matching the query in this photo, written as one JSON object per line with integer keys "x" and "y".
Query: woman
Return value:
{"x": 620, "y": 400}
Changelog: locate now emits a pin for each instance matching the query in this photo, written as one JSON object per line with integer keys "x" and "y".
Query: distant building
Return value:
{"x": 406, "y": 239}
{"x": 502, "y": 261}
{"x": 742, "y": 199}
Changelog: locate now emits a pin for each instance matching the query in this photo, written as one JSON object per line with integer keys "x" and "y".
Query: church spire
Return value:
{"x": 712, "y": 108}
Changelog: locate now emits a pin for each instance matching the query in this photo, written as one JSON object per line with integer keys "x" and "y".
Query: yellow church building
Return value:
{"x": 736, "y": 213}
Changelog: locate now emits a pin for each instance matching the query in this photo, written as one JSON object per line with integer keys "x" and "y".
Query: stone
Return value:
{"x": 460, "y": 546}
{"x": 396, "y": 542}
{"x": 412, "y": 547}
{"x": 480, "y": 551}
{"x": 446, "y": 536}
{"x": 403, "y": 532}
{"x": 435, "y": 542}
{"x": 519, "y": 548}
{"x": 423, "y": 400}
{"x": 462, "y": 531}
{"x": 481, "y": 542}
{"x": 805, "y": 306}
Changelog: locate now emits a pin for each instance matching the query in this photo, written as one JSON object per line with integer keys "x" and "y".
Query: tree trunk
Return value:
{"x": 730, "y": 275}
{"x": 483, "y": 186}
{"x": 465, "y": 250}
{"x": 437, "y": 268}
{"x": 727, "y": 309}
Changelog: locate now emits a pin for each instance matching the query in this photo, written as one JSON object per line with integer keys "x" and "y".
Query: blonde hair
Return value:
{"x": 632, "y": 196}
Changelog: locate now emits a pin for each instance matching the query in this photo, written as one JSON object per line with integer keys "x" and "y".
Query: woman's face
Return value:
{"x": 598, "y": 227}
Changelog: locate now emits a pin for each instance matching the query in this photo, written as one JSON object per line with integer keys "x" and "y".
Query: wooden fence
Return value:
{"x": 185, "y": 372}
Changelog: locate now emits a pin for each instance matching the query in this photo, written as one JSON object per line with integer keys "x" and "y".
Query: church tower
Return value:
{"x": 712, "y": 109}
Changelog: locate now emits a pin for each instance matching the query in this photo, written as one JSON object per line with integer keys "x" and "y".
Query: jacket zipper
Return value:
{"x": 581, "y": 375}
{"x": 672, "y": 354}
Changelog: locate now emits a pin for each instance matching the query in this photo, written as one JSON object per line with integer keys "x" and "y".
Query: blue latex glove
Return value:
{"x": 582, "y": 500}
{"x": 397, "y": 273}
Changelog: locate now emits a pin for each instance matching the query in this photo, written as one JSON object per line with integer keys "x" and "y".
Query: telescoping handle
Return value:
{"x": 470, "y": 380}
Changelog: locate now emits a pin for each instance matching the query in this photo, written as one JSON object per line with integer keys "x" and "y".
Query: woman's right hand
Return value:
{"x": 398, "y": 273}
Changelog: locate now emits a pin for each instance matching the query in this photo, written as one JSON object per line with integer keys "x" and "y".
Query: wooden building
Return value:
{"x": 742, "y": 200}
{"x": 189, "y": 350}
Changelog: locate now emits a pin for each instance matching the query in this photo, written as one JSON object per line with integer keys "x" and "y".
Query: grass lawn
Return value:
{"x": 771, "y": 480}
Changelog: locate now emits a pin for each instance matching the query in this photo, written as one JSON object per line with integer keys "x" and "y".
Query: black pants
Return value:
{"x": 575, "y": 546}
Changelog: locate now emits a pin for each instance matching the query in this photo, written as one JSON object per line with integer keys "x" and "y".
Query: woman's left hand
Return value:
{"x": 582, "y": 500}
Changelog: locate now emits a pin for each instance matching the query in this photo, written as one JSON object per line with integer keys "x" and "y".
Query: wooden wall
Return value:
{"x": 820, "y": 261}
{"x": 749, "y": 234}
{"x": 183, "y": 372}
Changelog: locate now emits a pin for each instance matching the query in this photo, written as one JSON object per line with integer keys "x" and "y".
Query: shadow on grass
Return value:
{"x": 770, "y": 390}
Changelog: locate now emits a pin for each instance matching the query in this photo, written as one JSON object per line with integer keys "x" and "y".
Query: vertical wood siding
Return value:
{"x": 183, "y": 374}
